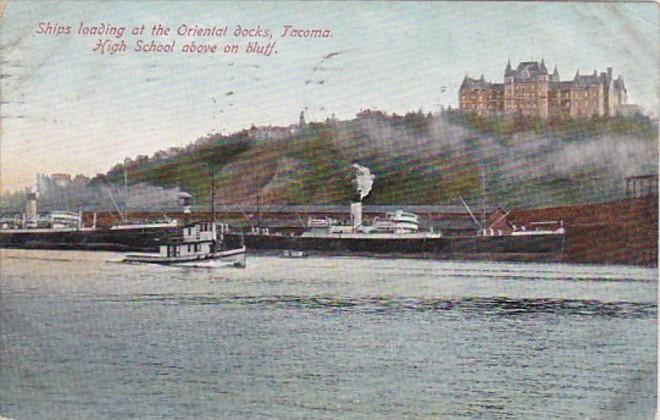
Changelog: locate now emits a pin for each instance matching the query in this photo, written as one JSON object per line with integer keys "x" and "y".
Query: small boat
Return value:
{"x": 202, "y": 245}
{"x": 291, "y": 253}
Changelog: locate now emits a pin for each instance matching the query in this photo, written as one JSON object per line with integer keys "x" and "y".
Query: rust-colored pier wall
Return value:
{"x": 620, "y": 232}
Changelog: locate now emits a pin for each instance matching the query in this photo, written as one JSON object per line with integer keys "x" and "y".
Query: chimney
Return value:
{"x": 31, "y": 211}
{"x": 356, "y": 215}
{"x": 186, "y": 202}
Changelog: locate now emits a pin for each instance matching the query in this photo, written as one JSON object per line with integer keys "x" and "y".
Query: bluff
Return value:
{"x": 417, "y": 159}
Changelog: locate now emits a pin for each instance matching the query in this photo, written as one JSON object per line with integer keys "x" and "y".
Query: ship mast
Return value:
{"x": 483, "y": 196}
{"x": 107, "y": 190}
{"x": 258, "y": 208}
{"x": 126, "y": 186}
{"x": 212, "y": 193}
{"x": 476, "y": 222}
{"x": 258, "y": 196}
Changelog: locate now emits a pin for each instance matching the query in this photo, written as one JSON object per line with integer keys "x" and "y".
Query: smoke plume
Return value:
{"x": 364, "y": 180}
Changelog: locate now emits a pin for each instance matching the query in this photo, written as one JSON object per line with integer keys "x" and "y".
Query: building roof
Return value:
{"x": 618, "y": 83}
{"x": 497, "y": 86}
{"x": 475, "y": 84}
{"x": 586, "y": 81}
{"x": 564, "y": 85}
{"x": 650, "y": 176}
{"x": 481, "y": 84}
{"x": 528, "y": 71}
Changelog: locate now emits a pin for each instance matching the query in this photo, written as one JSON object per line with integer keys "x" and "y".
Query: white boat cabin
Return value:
{"x": 393, "y": 225}
{"x": 198, "y": 239}
{"x": 397, "y": 222}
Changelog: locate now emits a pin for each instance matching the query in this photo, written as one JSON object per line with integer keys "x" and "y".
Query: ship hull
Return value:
{"x": 229, "y": 257}
{"x": 545, "y": 247}
{"x": 136, "y": 240}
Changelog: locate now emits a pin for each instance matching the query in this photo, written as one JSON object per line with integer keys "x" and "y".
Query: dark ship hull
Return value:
{"x": 536, "y": 247}
{"x": 136, "y": 240}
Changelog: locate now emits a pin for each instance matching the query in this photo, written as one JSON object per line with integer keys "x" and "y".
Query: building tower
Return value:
{"x": 509, "y": 103}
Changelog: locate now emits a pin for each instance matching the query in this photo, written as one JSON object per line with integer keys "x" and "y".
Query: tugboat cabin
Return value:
{"x": 198, "y": 239}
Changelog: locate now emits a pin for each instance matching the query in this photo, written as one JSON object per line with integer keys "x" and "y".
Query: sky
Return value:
{"x": 65, "y": 108}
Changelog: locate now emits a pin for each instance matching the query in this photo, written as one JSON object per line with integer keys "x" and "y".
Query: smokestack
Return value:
{"x": 364, "y": 181}
{"x": 356, "y": 214}
{"x": 31, "y": 211}
{"x": 186, "y": 202}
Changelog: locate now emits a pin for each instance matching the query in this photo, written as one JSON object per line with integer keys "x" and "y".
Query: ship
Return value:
{"x": 399, "y": 234}
{"x": 201, "y": 245}
{"x": 65, "y": 231}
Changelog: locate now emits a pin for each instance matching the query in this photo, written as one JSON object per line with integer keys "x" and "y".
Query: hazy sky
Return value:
{"x": 68, "y": 109}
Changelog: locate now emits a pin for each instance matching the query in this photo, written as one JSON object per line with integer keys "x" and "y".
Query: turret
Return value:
{"x": 555, "y": 75}
{"x": 508, "y": 71}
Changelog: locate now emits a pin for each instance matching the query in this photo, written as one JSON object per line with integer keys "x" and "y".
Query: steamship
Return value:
{"x": 65, "y": 231}
{"x": 399, "y": 234}
{"x": 202, "y": 245}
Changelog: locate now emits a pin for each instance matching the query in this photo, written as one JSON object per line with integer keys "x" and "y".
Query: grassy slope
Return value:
{"x": 411, "y": 161}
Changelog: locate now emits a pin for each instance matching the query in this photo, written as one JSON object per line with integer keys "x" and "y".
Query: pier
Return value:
{"x": 618, "y": 232}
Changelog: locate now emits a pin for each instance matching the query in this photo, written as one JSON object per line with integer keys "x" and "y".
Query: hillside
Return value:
{"x": 417, "y": 159}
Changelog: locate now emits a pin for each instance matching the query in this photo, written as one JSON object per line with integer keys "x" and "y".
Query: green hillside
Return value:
{"x": 417, "y": 159}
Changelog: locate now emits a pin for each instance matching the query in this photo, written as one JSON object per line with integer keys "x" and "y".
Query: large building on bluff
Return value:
{"x": 532, "y": 91}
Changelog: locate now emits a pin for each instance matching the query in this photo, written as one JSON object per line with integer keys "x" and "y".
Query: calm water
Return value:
{"x": 83, "y": 338}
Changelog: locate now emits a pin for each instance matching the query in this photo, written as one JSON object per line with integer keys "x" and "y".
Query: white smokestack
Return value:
{"x": 356, "y": 215}
{"x": 364, "y": 180}
{"x": 186, "y": 201}
{"x": 31, "y": 210}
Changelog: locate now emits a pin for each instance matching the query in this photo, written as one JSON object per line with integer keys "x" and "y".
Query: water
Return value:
{"x": 83, "y": 338}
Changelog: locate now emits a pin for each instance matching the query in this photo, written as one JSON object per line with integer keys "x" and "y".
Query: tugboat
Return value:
{"x": 202, "y": 245}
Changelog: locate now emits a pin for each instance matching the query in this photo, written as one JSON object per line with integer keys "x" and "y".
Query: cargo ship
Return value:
{"x": 65, "y": 231}
{"x": 139, "y": 238}
{"x": 398, "y": 234}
